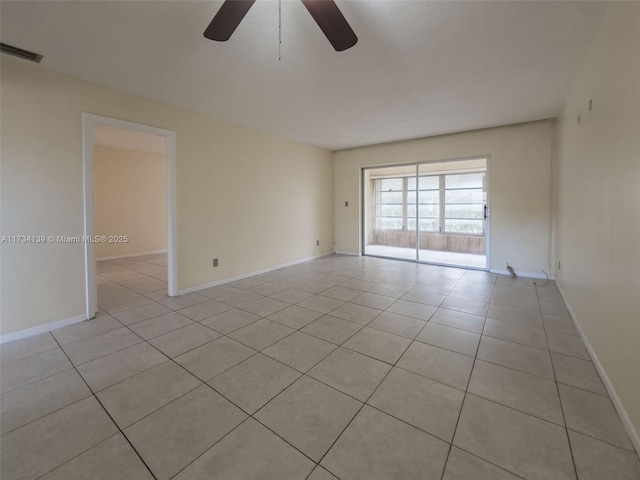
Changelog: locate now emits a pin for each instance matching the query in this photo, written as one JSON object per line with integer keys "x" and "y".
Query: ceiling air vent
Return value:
{"x": 20, "y": 53}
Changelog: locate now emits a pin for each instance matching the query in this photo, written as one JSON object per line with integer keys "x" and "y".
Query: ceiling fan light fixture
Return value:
{"x": 332, "y": 23}
{"x": 20, "y": 53}
{"x": 325, "y": 13}
{"x": 227, "y": 19}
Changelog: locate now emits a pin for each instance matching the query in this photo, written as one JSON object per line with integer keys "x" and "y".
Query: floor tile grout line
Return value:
{"x": 252, "y": 415}
{"x": 215, "y": 443}
{"x": 110, "y": 353}
{"x": 448, "y": 349}
{"x": 516, "y": 370}
{"x": 4, "y": 391}
{"x": 9, "y": 362}
{"x": 193, "y": 322}
{"x": 333, "y": 343}
{"x": 181, "y": 328}
{"x": 363, "y": 405}
{"x": 555, "y": 378}
{"x": 232, "y": 331}
{"x": 567, "y": 428}
{"x": 269, "y": 345}
{"x": 523, "y": 412}
{"x": 632, "y": 450}
{"x": 114, "y": 423}
{"x": 223, "y": 371}
{"x": 294, "y": 368}
{"x": 517, "y": 343}
{"x": 300, "y": 375}
{"x": 146, "y": 370}
{"x": 430, "y": 434}
{"x": 282, "y": 438}
{"x": 142, "y": 275}
{"x": 488, "y": 461}
{"x": 453, "y": 351}
{"x": 518, "y": 411}
{"x": 464, "y": 398}
{"x": 305, "y": 333}
{"x": 203, "y": 383}
{"x": 582, "y": 389}
{"x": 159, "y": 315}
{"x": 87, "y": 450}
{"x": 85, "y": 338}
{"x": 52, "y": 411}
{"x": 90, "y": 336}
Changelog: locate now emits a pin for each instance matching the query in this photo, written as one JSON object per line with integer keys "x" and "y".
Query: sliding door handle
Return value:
{"x": 486, "y": 211}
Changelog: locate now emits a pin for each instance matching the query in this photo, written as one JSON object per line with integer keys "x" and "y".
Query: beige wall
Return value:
{"x": 519, "y": 187}
{"x": 251, "y": 199}
{"x": 130, "y": 198}
{"x": 598, "y": 205}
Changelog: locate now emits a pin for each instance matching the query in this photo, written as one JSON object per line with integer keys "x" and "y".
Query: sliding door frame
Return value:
{"x": 364, "y": 223}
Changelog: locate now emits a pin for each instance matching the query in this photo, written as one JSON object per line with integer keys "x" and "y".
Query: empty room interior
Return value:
{"x": 320, "y": 240}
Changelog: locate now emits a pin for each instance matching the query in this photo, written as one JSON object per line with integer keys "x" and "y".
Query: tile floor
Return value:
{"x": 343, "y": 367}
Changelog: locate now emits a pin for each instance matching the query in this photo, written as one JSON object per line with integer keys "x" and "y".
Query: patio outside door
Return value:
{"x": 432, "y": 212}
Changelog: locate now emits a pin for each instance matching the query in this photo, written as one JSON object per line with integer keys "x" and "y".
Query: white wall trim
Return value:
{"x": 30, "y": 332}
{"x": 613, "y": 395}
{"x": 251, "y": 274}
{"x": 89, "y": 120}
{"x": 538, "y": 275}
{"x": 355, "y": 254}
{"x": 129, "y": 255}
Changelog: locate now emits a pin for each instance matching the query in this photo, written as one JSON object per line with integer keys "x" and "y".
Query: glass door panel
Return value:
{"x": 451, "y": 210}
{"x": 464, "y": 203}
{"x": 389, "y": 220}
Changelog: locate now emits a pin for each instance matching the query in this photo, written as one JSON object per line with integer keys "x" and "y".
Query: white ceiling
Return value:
{"x": 127, "y": 139}
{"x": 420, "y": 68}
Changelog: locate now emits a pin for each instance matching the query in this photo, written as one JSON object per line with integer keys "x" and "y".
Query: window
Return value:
{"x": 428, "y": 203}
{"x": 449, "y": 203}
{"x": 390, "y": 201}
{"x": 464, "y": 203}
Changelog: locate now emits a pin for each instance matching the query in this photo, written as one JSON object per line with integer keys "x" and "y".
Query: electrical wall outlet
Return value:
{"x": 558, "y": 264}
{"x": 215, "y": 262}
{"x": 317, "y": 243}
{"x": 346, "y": 204}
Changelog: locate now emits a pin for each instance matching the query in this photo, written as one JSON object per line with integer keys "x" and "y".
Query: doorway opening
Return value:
{"x": 130, "y": 204}
{"x": 430, "y": 212}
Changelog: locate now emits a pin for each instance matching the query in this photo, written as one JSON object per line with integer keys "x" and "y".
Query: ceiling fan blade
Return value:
{"x": 227, "y": 19}
{"x": 332, "y": 23}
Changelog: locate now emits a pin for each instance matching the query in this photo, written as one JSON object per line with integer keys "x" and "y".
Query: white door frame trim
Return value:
{"x": 89, "y": 120}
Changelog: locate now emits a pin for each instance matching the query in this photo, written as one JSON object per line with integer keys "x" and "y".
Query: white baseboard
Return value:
{"x": 250, "y": 274}
{"x": 356, "y": 254}
{"x": 613, "y": 395}
{"x": 30, "y": 332}
{"x": 129, "y": 255}
{"x": 538, "y": 275}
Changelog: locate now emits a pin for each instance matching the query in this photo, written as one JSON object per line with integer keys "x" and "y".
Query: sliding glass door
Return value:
{"x": 432, "y": 212}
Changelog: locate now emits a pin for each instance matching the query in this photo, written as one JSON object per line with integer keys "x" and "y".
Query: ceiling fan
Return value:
{"x": 324, "y": 12}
